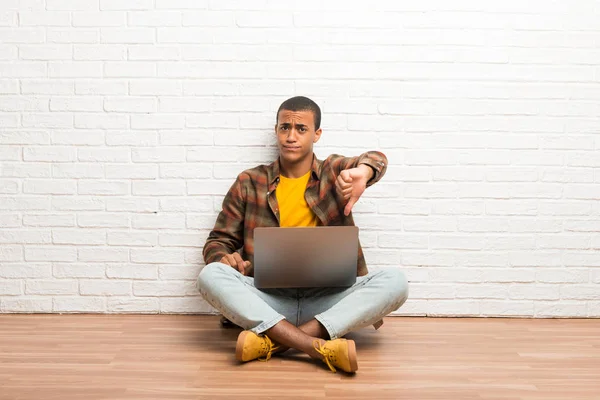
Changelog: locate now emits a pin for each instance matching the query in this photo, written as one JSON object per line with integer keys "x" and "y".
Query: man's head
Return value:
{"x": 297, "y": 128}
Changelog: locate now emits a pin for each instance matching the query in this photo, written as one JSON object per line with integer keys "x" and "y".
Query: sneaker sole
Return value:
{"x": 239, "y": 347}
{"x": 352, "y": 356}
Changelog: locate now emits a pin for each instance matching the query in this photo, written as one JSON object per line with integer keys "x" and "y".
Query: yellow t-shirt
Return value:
{"x": 293, "y": 209}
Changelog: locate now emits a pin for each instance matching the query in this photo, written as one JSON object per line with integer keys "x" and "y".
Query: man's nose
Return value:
{"x": 291, "y": 137}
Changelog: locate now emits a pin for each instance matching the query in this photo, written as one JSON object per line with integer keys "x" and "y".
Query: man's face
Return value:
{"x": 296, "y": 134}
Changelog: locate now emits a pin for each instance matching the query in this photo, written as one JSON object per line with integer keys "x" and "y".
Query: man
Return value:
{"x": 296, "y": 190}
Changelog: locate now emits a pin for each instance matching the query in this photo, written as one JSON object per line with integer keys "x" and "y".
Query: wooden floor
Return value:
{"x": 191, "y": 357}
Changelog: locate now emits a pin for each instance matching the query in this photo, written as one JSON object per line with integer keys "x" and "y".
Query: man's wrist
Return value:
{"x": 369, "y": 172}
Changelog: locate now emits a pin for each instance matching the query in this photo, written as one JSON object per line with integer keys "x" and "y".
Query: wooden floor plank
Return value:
{"x": 191, "y": 357}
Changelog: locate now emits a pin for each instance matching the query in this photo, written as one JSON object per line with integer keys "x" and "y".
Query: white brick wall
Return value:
{"x": 124, "y": 122}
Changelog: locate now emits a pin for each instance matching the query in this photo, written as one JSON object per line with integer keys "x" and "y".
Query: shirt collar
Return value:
{"x": 273, "y": 170}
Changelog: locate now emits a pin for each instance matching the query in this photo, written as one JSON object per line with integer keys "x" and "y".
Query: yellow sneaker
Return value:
{"x": 339, "y": 353}
{"x": 250, "y": 346}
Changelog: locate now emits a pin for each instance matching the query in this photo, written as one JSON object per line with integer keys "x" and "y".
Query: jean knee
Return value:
{"x": 396, "y": 285}
{"x": 209, "y": 273}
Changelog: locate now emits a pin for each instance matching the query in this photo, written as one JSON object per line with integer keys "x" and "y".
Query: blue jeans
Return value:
{"x": 339, "y": 310}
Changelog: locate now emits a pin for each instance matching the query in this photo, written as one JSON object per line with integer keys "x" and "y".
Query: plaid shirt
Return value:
{"x": 251, "y": 203}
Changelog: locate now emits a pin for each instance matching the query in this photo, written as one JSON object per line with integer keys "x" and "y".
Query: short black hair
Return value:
{"x": 301, "y": 103}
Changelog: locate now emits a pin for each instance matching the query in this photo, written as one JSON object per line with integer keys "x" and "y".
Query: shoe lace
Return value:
{"x": 268, "y": 347}
{"x": 328, "y": 354}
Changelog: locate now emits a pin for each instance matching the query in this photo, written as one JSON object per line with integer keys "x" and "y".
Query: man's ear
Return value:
{"x": 318, "y": 135}
{"x": 275, "y": 128}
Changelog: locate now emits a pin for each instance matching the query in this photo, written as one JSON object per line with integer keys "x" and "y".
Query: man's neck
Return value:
{"x": 296, "y": 170}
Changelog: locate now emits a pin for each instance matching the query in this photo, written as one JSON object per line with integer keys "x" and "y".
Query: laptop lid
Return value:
{"x": 298, "y": 257}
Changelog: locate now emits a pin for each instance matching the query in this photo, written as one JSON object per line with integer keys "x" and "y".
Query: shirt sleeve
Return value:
{"x": 374, "y": 159}
{"x": 228, "y": 234}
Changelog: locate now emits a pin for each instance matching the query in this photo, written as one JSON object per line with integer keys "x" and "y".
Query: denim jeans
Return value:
{"x": 339, "y": 310}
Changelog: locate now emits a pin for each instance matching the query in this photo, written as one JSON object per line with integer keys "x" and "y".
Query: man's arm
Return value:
{"x": 228, "y": 234}
{"x": 375, "y": 160}
{"x": 355, "y": 174}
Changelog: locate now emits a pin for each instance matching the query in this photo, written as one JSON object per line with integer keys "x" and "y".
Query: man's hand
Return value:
{"x": 235, "y": 260}
{"x": 351, "y": 183}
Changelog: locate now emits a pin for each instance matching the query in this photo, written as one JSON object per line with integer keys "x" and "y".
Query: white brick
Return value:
{"x": 558, "y": 208}
{"x": 99, "y": 19}
{"x": 29, "y": 236}
{"x": 132, "y": 204}
{"x": 24, "y": 137}
{"x": 132, "y": 138}
{"x": 572, "y": 175}
{"x": 71, "y": 5}
{"x": 582, "y": 192}
{"x": 161, "y": 256}
{"x": 581, "y": 259}
{"x": 102, "y": 254}
{"x": 206, "y": 187}
{"x": 48, "y": 18}
{"x": 507, "y": 308}
{"x": 478, "y": 224}
{"x": 103, "y": 187}
{"x": 100, "y": 87}
{"x": 47, "y": 121}
{"x": 133, "y": 271}
{"x": 72, "y": 35}
{"x": 103, "y": 220}
{"x": 51, "y": 287}
{"x": 157, "y": 121}
{"x": 11, "y": 287}
{"x": 583, "y": 225}
{"x": 563, "y": 241}
{"x": 545, "y": 309}
{"x": 22, "y": 103}
{"x": 79, "y": 304}
{"x": 174, "y": 239}
{"x": 158, "y": 154}
{"x": 8, "y": 18}
{"x": 130, "y": 104}
{"x": 10, "y": 220}
{"x": 155, "y": 18}
{"x": 454, "y": 207}
{"x": 11, "y": 253}
{"x": 175, "y": 272}
{"x": 75, "y": 69}
{"x": 189, "y": 137}
{"x": 77, "y": 270}
{"x": 99, "y": 52}
{"x": 432, "y": 291}
{"x": 126, "y": 4}
{"x": 97, "y": 287}
{"x": 453, "y": 307}
{"x": 163, "y": 288}
{"x": 9, "y": 186}
{"x": 22, "y": 35}
{"x": 534, "y": 292}
{"x": 22, "y": 304}
{"x": 78, "y": 103}
{"x": 132, "y": 238}
{"x": 101, "y": 121}
{"x": 9, "y": 52}
{"x": 45, "y": 52}
{"x": 403, "y": 241}
{"x": 158, "y": 187}
{"x": 54, "y": 87}
{"x": 8, "y": 121}
{"x": 50, "y": 220}
{"x": 120, "y": 305}
{"x": 28, "y": 170}
{"x": 25, "y": 203}
{"x": 47, "y": 186}
{"x": 77, "y": 203}
{"x": 157, "y": 221}
{"x": 186, "y": 204}
{"x": 187, "y": 171}
{"x": 78, "y": 236}
{"x": 10, "y": 86}
{"x": 181, "y": 4}
{"x": 50, "y": 253}
{"x": 184, "y": 105}
{"x": 207, "y": 18}
{"x": 106, "y": 155}
{"x": 155, "y": 87}
{"x": 129, "y": 171}
{"x": 49, "y": 153}
{"x": 126, "y": 35}
{"x": 79, "y": 170}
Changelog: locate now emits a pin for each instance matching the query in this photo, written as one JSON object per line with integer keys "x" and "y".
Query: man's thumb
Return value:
{"x": 346, "y": 176}
{"x": 349, "y": 206}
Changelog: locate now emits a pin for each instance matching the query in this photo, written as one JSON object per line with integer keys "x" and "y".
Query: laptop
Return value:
{"x": 302, "y": 257}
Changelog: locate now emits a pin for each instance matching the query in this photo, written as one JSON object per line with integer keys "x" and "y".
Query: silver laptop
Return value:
{"x": 300, "y": 257}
